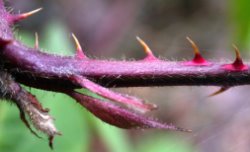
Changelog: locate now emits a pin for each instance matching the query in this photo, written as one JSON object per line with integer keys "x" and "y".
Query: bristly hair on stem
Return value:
{"x": 65, "y": 74}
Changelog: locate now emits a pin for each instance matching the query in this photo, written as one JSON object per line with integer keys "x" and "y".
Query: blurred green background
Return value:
{"x": 106, "y": 29}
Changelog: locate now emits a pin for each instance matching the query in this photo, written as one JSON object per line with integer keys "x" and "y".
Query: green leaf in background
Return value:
{"x": 164, "y": 143}
{"x": 114, "y": 138}
{"x": 71, "y": 118}
{"x": 58, "y": 39}
{"x": 240, "y": 17}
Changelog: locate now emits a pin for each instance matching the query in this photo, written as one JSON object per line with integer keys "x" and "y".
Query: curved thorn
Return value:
{"x": 28, "y": 14}
{"x": 194, "y": 46}
{"x": 198, "y": 59}
{"x": 147, "y": 50}
{"x": 22, "y": 16}
{"x": 78, "y": 46}
{"x": 221, "y": 90}
{"x": 36, "y": 41}
{"x": 238, "y": 64}
{"x": 237, "y": 53}
{"x": 79, "y": 51}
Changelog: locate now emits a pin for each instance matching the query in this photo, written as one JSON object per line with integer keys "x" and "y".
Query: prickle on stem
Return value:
{"x": 198, "y": 59}
{"x": 221, "y": 90}
{"x": 238, "y": 64}
{"x": 148, "y": 51}
{"x": 79, "y": 51}
{"x": 19, "y": 17}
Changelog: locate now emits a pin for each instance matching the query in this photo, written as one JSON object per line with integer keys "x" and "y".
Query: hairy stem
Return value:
{"x": 117, "y": 73}
{"x": 32, "y": 67}
{"x": 154, "y": 72}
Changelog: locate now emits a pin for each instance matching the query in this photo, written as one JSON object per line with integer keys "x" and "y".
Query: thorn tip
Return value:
{"x": 221, "y": 90}
{"x": 238, "y": 64}
{"x": 78, "y": 46}
{"x": 79, "y": 53}
{"x": 237, "y": 52}
{"x": 147, "y": 50}
{"x": 194, "y": 46}
{"x": 198, "y": 59}
{"x": 22, "y": 16}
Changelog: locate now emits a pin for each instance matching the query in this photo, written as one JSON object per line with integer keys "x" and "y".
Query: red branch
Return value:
{"x": 117, "y": 73}
{"x": 34, "y": 68}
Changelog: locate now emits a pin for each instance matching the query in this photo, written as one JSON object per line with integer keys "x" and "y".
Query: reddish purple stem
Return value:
{"x": 51, "y": 68}
{"x": 34, "y": 68}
